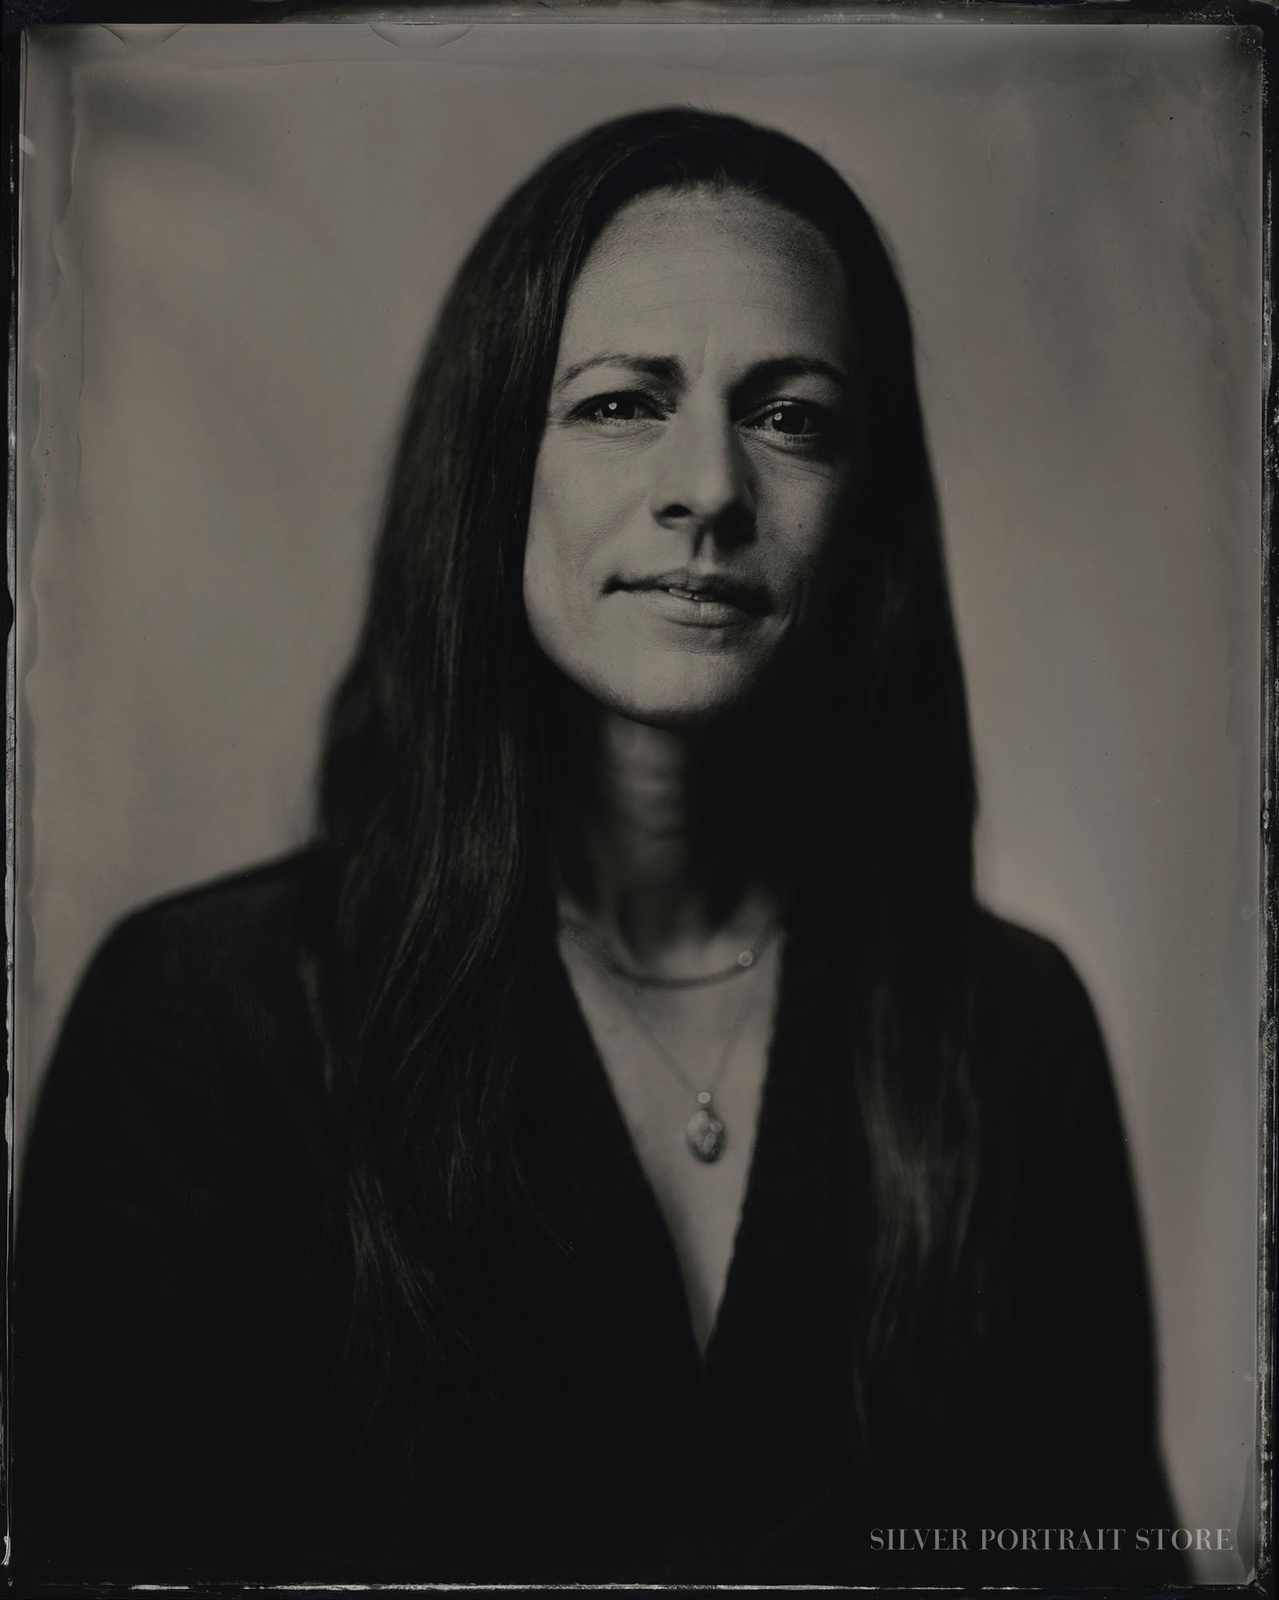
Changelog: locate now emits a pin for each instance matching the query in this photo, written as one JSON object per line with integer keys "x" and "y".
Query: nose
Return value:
{"x": 703, "y": 483}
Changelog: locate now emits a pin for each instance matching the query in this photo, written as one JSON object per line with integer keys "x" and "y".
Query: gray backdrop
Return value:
{"x": 232, "y": 243}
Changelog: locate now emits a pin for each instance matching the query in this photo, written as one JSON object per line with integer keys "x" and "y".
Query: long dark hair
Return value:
{"x": 433, "y": 793}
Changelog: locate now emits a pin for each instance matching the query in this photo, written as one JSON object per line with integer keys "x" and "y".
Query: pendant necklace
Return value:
{"x": 704, "y": 1130}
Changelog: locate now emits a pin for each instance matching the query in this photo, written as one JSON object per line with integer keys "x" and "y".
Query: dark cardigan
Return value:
{"x": 177, "y": 1413}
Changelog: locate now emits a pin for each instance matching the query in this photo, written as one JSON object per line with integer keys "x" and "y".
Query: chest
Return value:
{"x": 687, "y": 1072}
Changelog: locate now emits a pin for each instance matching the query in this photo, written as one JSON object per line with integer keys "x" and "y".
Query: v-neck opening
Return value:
{"x": 749, "y": 1207}
{"x": 715, "y": 1438}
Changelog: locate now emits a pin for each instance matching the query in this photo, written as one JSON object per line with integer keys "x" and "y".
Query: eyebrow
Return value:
{"x": 668, "y": 369}
{"x": 665, "y": 368}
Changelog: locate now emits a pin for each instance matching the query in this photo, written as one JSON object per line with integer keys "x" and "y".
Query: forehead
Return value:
{"x": 681, "y": 265}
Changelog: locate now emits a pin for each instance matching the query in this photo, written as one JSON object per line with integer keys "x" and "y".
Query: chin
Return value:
{"x": 682, "y": 701}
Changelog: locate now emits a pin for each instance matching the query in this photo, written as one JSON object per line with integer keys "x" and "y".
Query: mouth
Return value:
{"x": 712, "y": 598}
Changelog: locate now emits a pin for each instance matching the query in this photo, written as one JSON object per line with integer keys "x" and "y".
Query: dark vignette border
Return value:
{"x": 1261, "y": 18}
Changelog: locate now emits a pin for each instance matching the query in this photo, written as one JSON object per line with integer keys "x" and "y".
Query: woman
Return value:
{"x": 620, "y": 1149}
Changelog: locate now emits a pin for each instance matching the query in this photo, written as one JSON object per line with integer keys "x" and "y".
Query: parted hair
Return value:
{"x": 433, "y": 798}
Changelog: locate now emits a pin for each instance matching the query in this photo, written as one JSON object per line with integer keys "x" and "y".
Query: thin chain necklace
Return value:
{"x": 705, "y": 1129}
{"x": 744, "y": 961}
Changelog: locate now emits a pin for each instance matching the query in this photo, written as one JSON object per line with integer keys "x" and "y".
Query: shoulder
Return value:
{"x": 1055, "y": 1137}
{"x": 1010, "y": 956}
{"x": 229, "y": 954}
{"x": 1025, "y": 975}
{"x": 192, "y": 1019}
{"x": 173, "y": 1198}
{"x": 233, "y": 922}
{"x": 1036, "y": 1027}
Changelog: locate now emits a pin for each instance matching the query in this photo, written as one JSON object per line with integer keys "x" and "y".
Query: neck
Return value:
{"x": 655, "y": 838}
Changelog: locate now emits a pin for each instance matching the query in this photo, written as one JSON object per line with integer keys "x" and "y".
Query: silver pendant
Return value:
{"x": 706, "y": 1134}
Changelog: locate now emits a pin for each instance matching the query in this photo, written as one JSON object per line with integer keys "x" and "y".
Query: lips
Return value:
{"x": 709, "y": 592}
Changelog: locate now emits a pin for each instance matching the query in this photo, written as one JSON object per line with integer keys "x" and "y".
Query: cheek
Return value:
{"x": 581, "y": 498}
{"x": 807, "y": 513}
{"x": 577, "y": 507}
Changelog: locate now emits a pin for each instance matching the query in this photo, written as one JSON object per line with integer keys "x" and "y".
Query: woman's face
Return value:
{"x": 697, "y": 463}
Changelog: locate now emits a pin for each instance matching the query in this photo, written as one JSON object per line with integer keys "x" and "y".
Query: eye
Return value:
{"x": 628, "y": 406}
{"x": 792, "y": 420}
